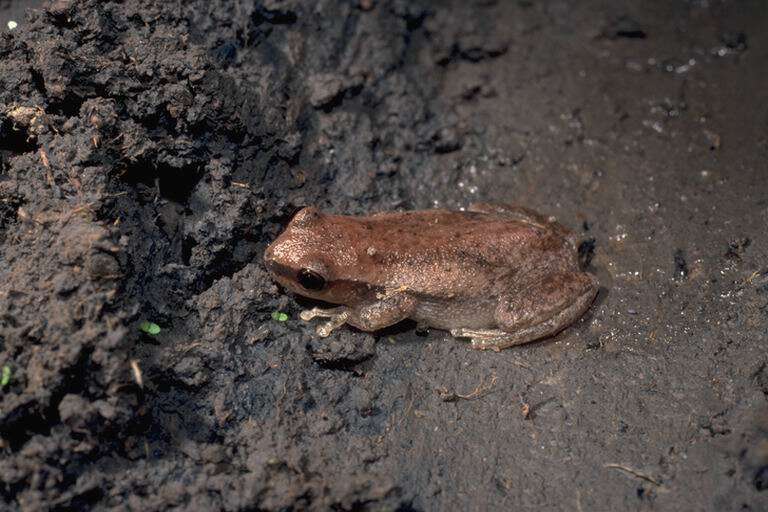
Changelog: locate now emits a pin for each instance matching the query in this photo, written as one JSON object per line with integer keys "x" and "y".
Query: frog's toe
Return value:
{"x": 309, "y": 314}
{"x": 336, "y": 321}
{"x": 482, "y": 339}
{"x": 480, "y": 334}
{"x": 485, "y": 344}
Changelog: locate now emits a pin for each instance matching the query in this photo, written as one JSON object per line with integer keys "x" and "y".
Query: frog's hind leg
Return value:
{"x": 545, "y": 308}
{"x": 526, "y": 215}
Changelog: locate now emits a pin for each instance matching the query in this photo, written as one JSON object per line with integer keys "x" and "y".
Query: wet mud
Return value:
{"x": 149, "y": 151}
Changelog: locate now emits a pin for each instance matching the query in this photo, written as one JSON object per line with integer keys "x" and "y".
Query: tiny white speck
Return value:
{"x": 12, "y": 25}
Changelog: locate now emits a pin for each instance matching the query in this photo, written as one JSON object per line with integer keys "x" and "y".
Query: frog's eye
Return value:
{"x": 311, "y": 280}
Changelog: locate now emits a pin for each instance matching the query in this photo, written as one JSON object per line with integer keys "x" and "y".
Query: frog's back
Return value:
{"x": 493, "y": 237}
{"x": 441, "y": 252}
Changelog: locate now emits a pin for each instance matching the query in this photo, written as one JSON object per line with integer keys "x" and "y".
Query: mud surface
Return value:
{"x": 150, "y": 150}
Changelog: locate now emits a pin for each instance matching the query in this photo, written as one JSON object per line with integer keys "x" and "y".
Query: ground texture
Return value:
{"x": 150, "y": 150}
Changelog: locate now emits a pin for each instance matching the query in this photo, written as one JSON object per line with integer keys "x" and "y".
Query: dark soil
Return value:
{"x": 150, "y": 150}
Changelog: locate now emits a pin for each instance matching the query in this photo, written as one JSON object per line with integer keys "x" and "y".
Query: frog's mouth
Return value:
{"x": 281, "y": 273}
{"x": 332, "y": 292}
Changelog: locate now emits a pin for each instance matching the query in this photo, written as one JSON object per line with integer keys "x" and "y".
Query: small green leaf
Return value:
{"x": 150, "y": 328}
{"x": 279, "y": 316}
{"x": 5, "y": 379}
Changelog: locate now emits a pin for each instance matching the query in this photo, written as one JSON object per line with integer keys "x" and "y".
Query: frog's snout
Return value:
{"x": 270, "y": 260}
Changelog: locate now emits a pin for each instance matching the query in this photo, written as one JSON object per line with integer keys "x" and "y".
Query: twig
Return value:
{"x": 44, "y": 158}
{"x": 481, "y": 390}
{"x": 634, "y": 472}
{"x": 137, "y": 373}
{"x": 520, "y": 364}
{"x": 407, "y": 411}
{"x": 755, "y": 274}
{"x": 47, "y": 164}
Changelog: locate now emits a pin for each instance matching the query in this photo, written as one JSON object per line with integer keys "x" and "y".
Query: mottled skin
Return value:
{"x": 499, "y": 275}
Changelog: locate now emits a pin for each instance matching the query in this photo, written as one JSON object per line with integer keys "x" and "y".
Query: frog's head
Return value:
{"x": 314, "y": 257}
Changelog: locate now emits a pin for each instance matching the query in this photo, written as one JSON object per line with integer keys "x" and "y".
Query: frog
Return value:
{"x": 499, "y": 275}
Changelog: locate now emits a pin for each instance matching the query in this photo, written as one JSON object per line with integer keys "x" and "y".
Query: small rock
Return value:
{"x": 472, "y": 91}
{"x": 105, "y": 409}
{"x": 681, "y": 266}
{"x": 226, "y": 53}
{"x": 59, "y": 7}
{"x": 624, "y": 27}
{"x": 447, "y": 140}
{"x": 77, "y": 412}
{"x": 103, "y": 265}
{"x": 736, "y": 41}
{"x": 587, "y": 252}
{"x": 761, "y": 479}
{"x": 64, "y": 283}
{"x": 713, "y": 139}
{"x": 324, "y": 88}
{"x": 737, "y": 247}
{"x": 191, "y": 371}
{"x": 475, "y": 47}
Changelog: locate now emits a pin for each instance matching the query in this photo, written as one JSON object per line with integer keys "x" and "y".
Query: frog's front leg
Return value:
{"x": 390, "y": 309}
{"x": 338, "y": 316}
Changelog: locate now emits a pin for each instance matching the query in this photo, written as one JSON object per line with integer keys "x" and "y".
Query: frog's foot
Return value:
{"x": 338, "y": 316}
{"x": 484, "y": 339}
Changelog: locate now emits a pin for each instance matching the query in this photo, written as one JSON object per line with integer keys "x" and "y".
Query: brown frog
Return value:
{"x": 500, "y": 275}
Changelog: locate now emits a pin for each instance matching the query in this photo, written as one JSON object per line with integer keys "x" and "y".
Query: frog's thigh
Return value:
{"x": 545, "y": 308}
{"x": 382, "y": 313}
